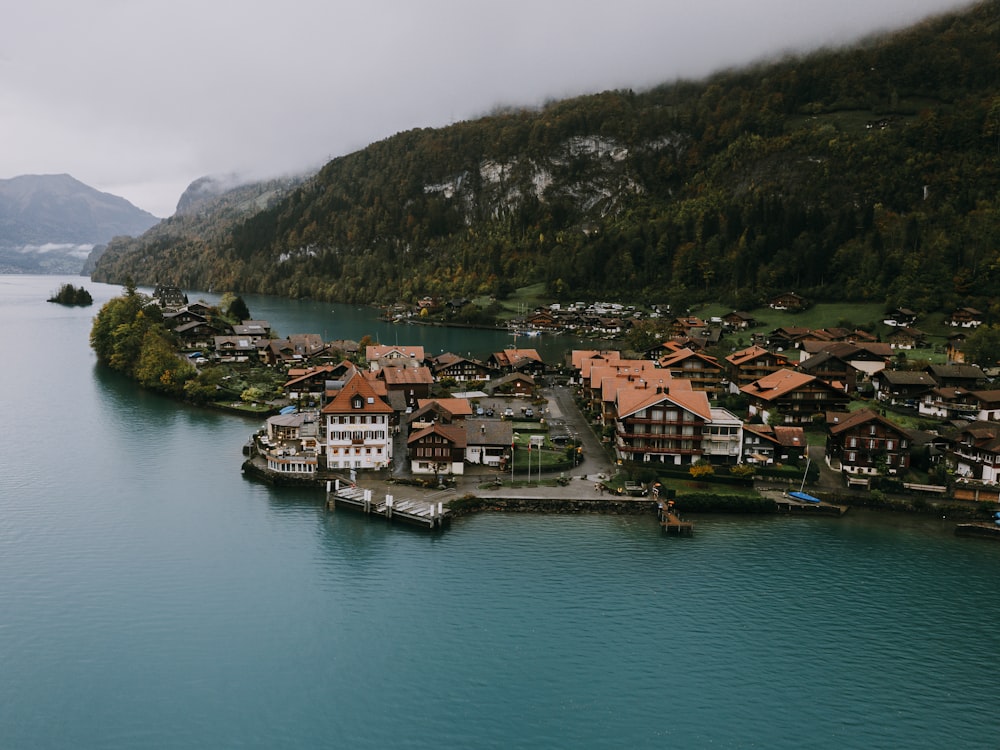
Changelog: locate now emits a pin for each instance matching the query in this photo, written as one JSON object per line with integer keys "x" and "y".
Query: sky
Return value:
{"x": 138, "y": 98}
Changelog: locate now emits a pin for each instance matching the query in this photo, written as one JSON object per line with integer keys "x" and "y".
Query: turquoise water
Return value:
{"x": 150, "y": 597}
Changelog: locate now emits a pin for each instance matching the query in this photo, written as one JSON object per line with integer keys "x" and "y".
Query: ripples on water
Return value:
{"x": 152, "y": 598}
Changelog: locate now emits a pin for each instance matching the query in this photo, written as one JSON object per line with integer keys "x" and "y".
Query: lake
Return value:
{"x": 151, "y": 597}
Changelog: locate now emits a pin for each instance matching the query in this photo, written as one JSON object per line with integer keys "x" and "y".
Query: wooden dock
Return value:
{"x": 670, "y": 521}
{"x": 428, "y": 514}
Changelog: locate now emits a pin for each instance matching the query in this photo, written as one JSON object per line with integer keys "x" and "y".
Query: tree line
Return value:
{"x": 864, "y": 173}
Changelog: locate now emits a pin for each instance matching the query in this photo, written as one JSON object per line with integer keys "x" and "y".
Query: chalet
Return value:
{"x": 542, "y": 320}
{"x": 440, "y": 410}
{"x": 788, "y": 301}
{"x": 307, "y": 345}
{"x": 965, "y": 317}
{"x": 947, "y": 403}
{"x": 196, "y": 334}
{"x": 865, "y": 357}
{"x": 274, "y": 352}
{"x": 764, "y": 444}
{"x": 169, "y": 296}
{"x": 686, "y": 325}
{"x": 310, "y": 384}
{"x": 181, "y": 316}
{"x": 488, "y": 441}
{"x": 798, "y": 397}
{"x": 512, "y": 384}
{"x": 976, "y": 452}
{"x": 957, "y": 376}
{"x": 786, "y": 337}
{"x": 747, "y": 365}
{"x": 438, "y": 449}
{"x": 234, "y": 348}
{"x": 901, "y": 316}
{"x": 900, "y": 386}
{"x": 660, "y": 424}
{"x": 864, "y": 442}
{"x": 524, "y": 361}
{"x": 380, "y": 355}
{"x": 413, "y": 382}
{"x": 358, "y": 434}
{"x": 832, "y": 369}
{"x": 253, "y": 329}
{"x": 705, "y": 373}
{"x": 988, "y": 403}
{"x": 906, "y": 337}
{"x": 738, "y": 321}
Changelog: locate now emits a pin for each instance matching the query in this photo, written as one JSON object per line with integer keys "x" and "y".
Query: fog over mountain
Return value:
{"x": 51, "y": 223}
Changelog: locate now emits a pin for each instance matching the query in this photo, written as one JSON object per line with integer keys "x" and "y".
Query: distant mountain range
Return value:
{"x": 51, "y": 223}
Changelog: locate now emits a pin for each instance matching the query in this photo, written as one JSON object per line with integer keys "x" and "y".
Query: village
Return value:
{"x": 832, "y": 396}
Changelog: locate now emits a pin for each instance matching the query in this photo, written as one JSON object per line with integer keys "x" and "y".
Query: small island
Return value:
{"x": 71, "y": 295}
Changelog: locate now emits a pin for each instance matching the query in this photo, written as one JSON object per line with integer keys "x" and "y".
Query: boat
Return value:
{"x": 804, "y": 496}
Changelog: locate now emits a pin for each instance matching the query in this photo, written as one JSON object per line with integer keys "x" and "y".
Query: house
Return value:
{"x": 767, "y": 444}
{"x": 310, "y": 384}
{"x": 865, "y": 357}
{"x": 747, "y": 365}
{"x": 786, "y": 337}
{"x": 274, "y": 352}
{"x": 738, "y": 320}
{"x": 292, "y": 443}
{"x": 864, "y": 442}
{"x": 988, "y": 403}
{"x": 169, "y": 296}
{"x": 788, "y": 301}
{"x": 965, "y": 317}
{"x": 686, "y": 325}
{"x": 524, "y": 361}
{"x": 438, "y": 449}
{"x": 832, "y": 369}
{"x": 958, "y": 376}
{"x": 901, "y": 386}
{"x": 797, "y": 396}
{"x": 380, "y": 355}
{"x": 234, "y": 348}
{"x": 413, "y": 382}
{"x": 488, "y": 441}
{"x": 705, "y": 373}
{"x": 440, "y": 410}
{"x": 196, "y": 334}
{"x": 976, "y": 452}
{"x": 660, "y": 424}
{"x": 901, "y": 316}
{"x": 542, "y": 320}
{"x": 722, "y": 438}
{"x": 307, "y": 345}
{"x": 947, "y": 403}
{"x": 512, "y": 384}
{"x": 906, "y": 337}
{"x": 459, "y": 369}
{"x": 253, "y": 329}
{"x": 358, "y": 434}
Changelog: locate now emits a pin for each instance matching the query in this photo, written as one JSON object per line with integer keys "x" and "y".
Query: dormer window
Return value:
{"x": 357, "y": 402}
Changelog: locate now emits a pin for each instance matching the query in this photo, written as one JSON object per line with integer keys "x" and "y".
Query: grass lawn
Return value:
{"x": 523, "y": 300}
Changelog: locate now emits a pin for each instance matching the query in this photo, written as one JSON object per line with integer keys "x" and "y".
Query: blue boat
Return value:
{"x": 805, "y": 497}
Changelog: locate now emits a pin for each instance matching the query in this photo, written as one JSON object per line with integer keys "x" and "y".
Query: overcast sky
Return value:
{"x": 140, "y": 97}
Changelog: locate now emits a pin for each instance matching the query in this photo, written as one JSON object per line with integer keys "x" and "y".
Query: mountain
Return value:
{"x": 49, "y": 223}
{"x": 870, "y": 172}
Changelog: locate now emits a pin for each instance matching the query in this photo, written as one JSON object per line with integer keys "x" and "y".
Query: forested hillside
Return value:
{"x": 868, "y": 173}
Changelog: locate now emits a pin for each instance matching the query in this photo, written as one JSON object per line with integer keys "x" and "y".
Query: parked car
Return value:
{"x": 529, "y": 413}
{"x": 508, "y": 412}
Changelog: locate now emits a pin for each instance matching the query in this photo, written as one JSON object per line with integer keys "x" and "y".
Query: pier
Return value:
{"x": 670, "y": 521}
{"x": 428, "y": 514}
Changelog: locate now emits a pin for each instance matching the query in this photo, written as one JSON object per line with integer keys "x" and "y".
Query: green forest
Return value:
{"x": 867, "y": 173}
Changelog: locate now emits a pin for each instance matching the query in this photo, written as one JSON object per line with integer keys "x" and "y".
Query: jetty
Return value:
{"x": 670, "y": 521}
{"x": 429, "y": 514}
